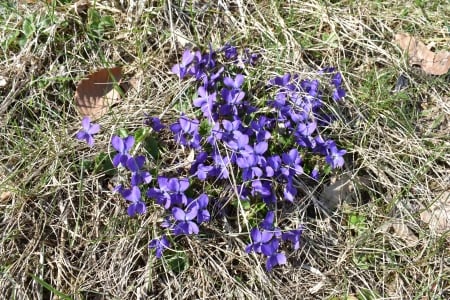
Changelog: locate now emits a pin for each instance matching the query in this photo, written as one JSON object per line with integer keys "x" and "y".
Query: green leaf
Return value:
{"x": 205, "y": 128}
{"x": 152, "y": 146}
{"x": 28, "y": 27}
{"x": 103, "y": 163}
{"x": 50, "y": 288}
{"x": 141, "y": 134}
{"x": 178, "y": 262}
{"x": 123, "y": 133}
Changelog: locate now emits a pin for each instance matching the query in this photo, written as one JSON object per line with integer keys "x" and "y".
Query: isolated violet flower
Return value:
{"x": 336, "y": 80}
{"x": 250, "y": 58}
{"x": 123, "y": 146}
{"x": 338, "y": 94}
{"x": 154, "y": 123}
{"x": 160, "y": 245}
{"x": 89, "y": 129}
{"x": 137, "y": 175}
{"x": 137, "y": 206}
{"x": 182, "y": 68}
{"x": 184, "y": 224}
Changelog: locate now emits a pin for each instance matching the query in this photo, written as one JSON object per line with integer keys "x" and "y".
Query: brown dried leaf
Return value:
{"x": 4, "y": 196}
{"x": 95, "y": 94}
{"x": 405, "y": 233}
{"x": 419, "y": 54}
{"x": 438, "y": 215}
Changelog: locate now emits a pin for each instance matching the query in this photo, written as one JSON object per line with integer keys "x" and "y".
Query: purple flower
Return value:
{"x": 274, "y": 260}
{"x": 137, "y": 206}
{"x": 123, "y": 146}
{"x": 160, "y": 245}
{"x": 186, "y": 132}
{"x": 259, "y": 130}
{"x": 250, "y": 58}
{"x": 203, "y": 214}
{"x": 88, "y": 131}
{"x": 259, "y": 239}
{"x": 292, "y": 161}
{"x": 154, "y": 123}
{"x": 176, "y": 187}
{"x": 261, "y": 187}
{"x": 205, "y": 101}
{"x": 181, "y": 68}
{"x": 239, "y": 141}
{"x": 315, "y": 173}
{"x": 230, "y": 52}
{"x": 336, "y": 80}
{"x": 184, "y": 224}
{"x": 220, "y": 166}
{"x": 137, "y": 175}
{"x": 268, "y": 222}
{"x": 289, "y": 191}
{"x": 307, "y": 128}
{"x": 203, "y": 171}
{"x": 272, "y": 165}
{"x": 335, "y": 156}
{"x": 234, "y": 84}
{"x": 161, "y": 194}
{"x": 338, "y": 94}
{"x": 293, "y": 236}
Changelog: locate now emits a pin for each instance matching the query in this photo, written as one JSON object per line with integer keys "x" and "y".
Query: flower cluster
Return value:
{"x": 186, "y": 214}
{"x": 263, "y": 143}
{"x": 266, "y": 240}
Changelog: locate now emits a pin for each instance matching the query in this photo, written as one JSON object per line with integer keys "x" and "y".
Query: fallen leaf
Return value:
{"x": 438, "y": 215}
{"x": 5, "y": 196}
{"x": 95, "y": 94}
{"x": 419, "y": 54}
{"x": 402, "y": 231}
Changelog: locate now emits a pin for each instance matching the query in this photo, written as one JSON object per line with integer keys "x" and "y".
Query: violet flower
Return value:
{"x": 138, "y": 176}
{"x": 88, "y": 131}
{"x": 123, "y": 146}
{"x": 182, "y": 68}
{"x": 137, "y": 205}
{"x": 184, "y": 224}
{"x": 160, "y": 245}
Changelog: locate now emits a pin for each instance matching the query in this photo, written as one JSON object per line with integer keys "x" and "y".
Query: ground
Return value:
{"x": 376, "y": 229}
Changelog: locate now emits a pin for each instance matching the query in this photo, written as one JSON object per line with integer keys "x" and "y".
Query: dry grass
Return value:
{"x": 62, "y": 223}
